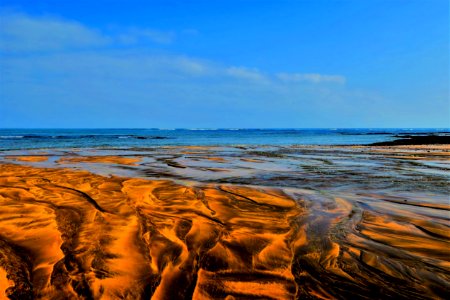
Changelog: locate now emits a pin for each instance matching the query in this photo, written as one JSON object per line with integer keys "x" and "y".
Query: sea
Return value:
{"x": 16, "y": 139}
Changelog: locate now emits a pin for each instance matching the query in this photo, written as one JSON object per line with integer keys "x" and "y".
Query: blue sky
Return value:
{"x": 173, "y": 64}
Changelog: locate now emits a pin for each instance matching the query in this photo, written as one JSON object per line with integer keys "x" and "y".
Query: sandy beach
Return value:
{"x": 224, "y": 150}
{"x": 226, "y": 223}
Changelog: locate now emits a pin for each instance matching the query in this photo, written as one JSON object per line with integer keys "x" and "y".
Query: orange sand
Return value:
{"x": 31, "y": 158}
{"x": 252, "y": 160}
{"x": 75, "y": 235}
{"x": 216, "y": 159}
{"x": 101, "y": 159}
{"x": 89, "y": 235}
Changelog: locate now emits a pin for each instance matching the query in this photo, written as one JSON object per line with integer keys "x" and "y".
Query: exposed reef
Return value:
{"x": 416, "y": 140}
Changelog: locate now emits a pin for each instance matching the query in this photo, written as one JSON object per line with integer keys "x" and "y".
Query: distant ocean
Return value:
{"x": 11, "y": 139}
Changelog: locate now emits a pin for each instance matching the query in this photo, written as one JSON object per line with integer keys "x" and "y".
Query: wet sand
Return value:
{"x": 273, "y": 223}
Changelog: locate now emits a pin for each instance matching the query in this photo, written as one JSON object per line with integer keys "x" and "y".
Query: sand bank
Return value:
{"x": 74, "y": 234}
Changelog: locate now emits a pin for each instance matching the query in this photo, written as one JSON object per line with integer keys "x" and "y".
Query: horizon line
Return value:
{"x": 221, "y": 128}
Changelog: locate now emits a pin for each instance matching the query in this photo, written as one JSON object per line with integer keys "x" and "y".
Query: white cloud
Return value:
{"x": 23, "y": 33}
{"x": 191, "y": 66}
{"x": 310, "y": 77}
{"x": 245, "y": 73}
{"x": 135, "y": 35}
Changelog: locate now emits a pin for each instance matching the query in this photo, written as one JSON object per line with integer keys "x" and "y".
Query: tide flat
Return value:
{"x": 271, "y": 222}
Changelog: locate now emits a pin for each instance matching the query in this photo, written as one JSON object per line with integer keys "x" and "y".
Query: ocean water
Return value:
{"x": 12, "y": 139}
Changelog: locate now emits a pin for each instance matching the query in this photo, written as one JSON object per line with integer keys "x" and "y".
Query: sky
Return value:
{"x": 224, "y": 64}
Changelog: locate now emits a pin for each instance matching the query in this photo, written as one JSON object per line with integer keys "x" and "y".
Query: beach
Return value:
{"x": 266, "y": 222}
{"x": 224, "y": 150}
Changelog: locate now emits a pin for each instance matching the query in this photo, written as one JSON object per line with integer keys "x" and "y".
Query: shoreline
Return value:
{"x": 407, "y": 140}
{"x": 129, "y": 138}
{"x": 323, "y": 167}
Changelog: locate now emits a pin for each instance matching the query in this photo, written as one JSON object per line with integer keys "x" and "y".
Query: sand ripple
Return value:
{"x": 74, "y": 235}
